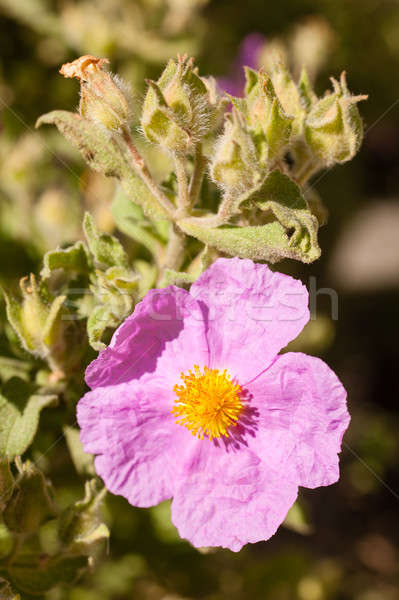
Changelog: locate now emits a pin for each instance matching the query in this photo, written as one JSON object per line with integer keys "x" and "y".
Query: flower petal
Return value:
{"x": 229, "y": 499}
{"x": 252, "y": 314}
{"x": 303, "y": 401}
{"x": 165, "y": 333}
{"x": 139, "y": 446}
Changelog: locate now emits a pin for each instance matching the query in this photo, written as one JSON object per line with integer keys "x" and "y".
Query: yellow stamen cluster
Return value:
{"x": 208, "y": 403}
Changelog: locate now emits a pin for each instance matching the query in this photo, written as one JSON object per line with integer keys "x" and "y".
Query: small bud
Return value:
{"x": 104, "y": 97}
{"x": 266, "y": 116}
{"x": 31, "y": 503}
{"x": 290, "y": 95}
{"x": 177, "y": 111}
{"x": 235, "y": 164}
{"x": 334, "y": 128}
{"x": 80, "y": 526}
{"x": 44, "y": 326}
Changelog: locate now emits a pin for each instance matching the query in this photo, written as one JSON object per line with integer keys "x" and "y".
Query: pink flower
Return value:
{"x": 191, "y": 401}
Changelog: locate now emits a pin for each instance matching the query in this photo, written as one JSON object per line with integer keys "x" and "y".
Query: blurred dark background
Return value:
{"x": 344, "y": 542}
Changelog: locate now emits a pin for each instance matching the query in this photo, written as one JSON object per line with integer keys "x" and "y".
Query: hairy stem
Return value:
{"x": 175, "y": 250}
{"x": 183, "y": 198}
{"x": 197, "y": 176}
{"x": 142, "y": 170}
{"x": 226, "y": 207}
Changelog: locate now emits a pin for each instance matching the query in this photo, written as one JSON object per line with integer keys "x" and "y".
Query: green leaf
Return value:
{"x": 106, "y": 249}
{"x": 130, "y": 220}
{"x": 265, "y": 242}
{"x": 139, "y": 193}
{"x": 98, "y": 147}
{"x": 83, "y": 462}
{"x": 19, "y": 416}
{"x": 102, "y": 152}
{"x": 35, "y": 574}
{"x": 283, "y": 197}
{"x": 97, "y": 323}
{"x": 73, "y": 260}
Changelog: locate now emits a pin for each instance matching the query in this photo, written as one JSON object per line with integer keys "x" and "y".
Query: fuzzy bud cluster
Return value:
{"x": 278, "y": 117}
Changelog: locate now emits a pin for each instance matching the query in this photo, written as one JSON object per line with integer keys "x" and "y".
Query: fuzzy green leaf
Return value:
{"x": 284, "y": 199}
{"x": 97, "y": 323}
{"x": 106, "y": 249}
{"x": 266, "y": 242}
{"x": 73, "y": 260}
{"x": 98, "y": 148}
{"x": 19, "y": 416}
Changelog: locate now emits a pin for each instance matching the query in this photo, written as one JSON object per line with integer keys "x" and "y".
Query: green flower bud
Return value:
{"x": 80, "y": 526}
{"x": 333, "y": 127}
{"x": 266, "y": 117}
{"x": 290, "y": 95}
{"x": 177, "y": 110}
{"x": 104, "y": 97}
{"x": 31, "y": 503}
{"x": 44, "y": 326}
{"x": 235, "y": 164}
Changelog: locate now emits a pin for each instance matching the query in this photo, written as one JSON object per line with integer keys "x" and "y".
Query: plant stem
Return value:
{"x": 183, "y": 198}
{"x": 198, "y": 175}
{"x": 142, "y": 170}
{"x": 226, "y": 207}
{"x": 175, "y": 250}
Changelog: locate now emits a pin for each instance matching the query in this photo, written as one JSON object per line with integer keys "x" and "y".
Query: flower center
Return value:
{"x": 208, "y": 403}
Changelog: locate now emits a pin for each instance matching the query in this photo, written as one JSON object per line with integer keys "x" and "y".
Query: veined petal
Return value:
{"x": 232, "y": 498}
{"x": 252, "y": 312}
{"x": 302, "y": 400}
{"x": 164, "y": 334}
{"x": 131, "y": 429}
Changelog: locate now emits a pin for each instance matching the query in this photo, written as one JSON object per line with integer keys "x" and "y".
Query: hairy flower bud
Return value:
{"x": 289, "y": 94}
{"x": 333, "y": 127}
{"x": 43, "y": 325}
{"x": 266, "y": 116}
{"x": 235, "y": 165}
{"x": 177, "y": 110}
{"x": 80, "y": 526}
{"x": 31, "y": 503}
{"x": 104, "y": 97}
